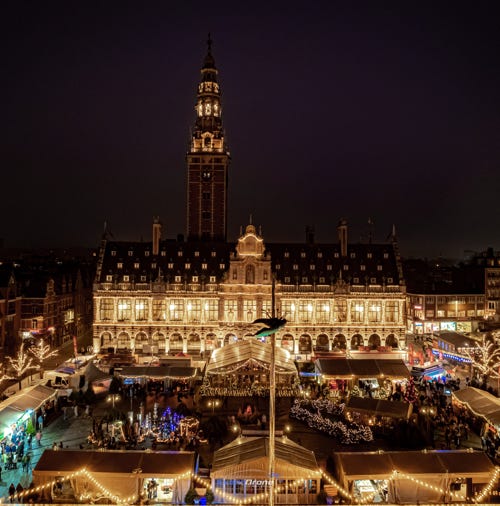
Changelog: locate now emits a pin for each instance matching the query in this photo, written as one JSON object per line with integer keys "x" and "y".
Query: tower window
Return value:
{"x": 206, "y": 175}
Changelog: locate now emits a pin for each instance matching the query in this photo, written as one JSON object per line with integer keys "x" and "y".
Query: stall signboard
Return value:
{"x": 448, "y": 326}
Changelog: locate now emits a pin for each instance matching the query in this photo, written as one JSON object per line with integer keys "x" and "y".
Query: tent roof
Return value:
{"x": 159, "y": 372}
{"x": 93, "y": 373}
{"x": 246, "y": 449}
{"x": 379, "y": 407}
{"x": 29, "y": 398}
{"x": 115, "y": 462}
{"x": 362, "y": 368}
{"x": 481, "y": 403}
{"x": 359, "y": 465}
{"x": 232, "y": 354}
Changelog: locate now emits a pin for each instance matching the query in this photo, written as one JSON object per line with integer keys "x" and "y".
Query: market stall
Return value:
{"x": 480, "y": 403}
{"x": 242, "y": 369}
{"x": 240, "y": 471}
{"x": 415, "y": 477}
{"x": 119, "y": 476}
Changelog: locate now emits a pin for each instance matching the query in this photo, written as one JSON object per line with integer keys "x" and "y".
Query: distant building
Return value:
{"x": 168, "y": 296}
{"x": 441, "y": 296}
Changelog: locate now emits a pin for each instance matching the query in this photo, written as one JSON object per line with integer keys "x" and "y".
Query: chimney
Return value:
{"x": 342, "y": 231}
{"x": 309, "y": 234}
{"x": 156, "y": 235}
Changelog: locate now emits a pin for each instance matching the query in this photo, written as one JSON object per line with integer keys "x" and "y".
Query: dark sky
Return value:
{"x": 381, "y": 110}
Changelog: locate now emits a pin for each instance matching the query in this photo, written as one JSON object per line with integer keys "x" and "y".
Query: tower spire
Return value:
{"x": 208, "y": 159}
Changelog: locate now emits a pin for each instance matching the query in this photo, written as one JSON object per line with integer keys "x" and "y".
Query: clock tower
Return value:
{"x": 207, "y": 161}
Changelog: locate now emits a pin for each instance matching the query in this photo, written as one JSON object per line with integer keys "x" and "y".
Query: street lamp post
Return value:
{"x": 214, "y": 403}
{"x": 113, "y": 398}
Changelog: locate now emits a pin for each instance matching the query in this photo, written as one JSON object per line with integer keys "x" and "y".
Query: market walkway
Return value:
{"x": 72, "y": 432}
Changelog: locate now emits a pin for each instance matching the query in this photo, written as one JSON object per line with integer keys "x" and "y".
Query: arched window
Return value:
{"x": 374, "y": 341}
{"x": 392, "y": 341}
{"x": 339, "y": 342}
{"x": 356, "y": 341}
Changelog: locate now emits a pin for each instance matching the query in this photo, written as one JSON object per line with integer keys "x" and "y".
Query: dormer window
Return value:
{"x": 113, "y": 253}
{"x": 386, "y": 255}
{"x": 170, "y": 265}
{"x": 126, "y": 279}
{"x": 336, "y": 254}
{"x": 302, "y": 254}
{"x": 369, "y": 255}
{"x": 130, "y": 253}
{"x": 329, "y": 267}
{"x": 353, "y": 255}
{"x": 321, "y": 279}
{"x": 153, "y": 265}
{"x": 146, "y": 253}
{"x": 355, "y": 281}
{"x": 214, "y": 254}
{"x": 143, "y": 279}
{"x": 204, "y": 267}
{"x": 373, "y": 281}
{"x": 304, "y": 279}
{"x": 346, "y": 267}
{"x": 196, "y": 253}
{"x": 295, "y": 267}
{"x": 119, "y": 265}
{"x": 379, "y": 267}
{"x": 179, "y": 253}
{"x": 390, "y": 281}
{"x": 195, "y": 279}
{"x": 278, "y": 267}
{"x": 312, "y": 267}
{"x": 212, "y": 279}
{"x": 109, "y": 277}
{"x": 286, "y": 254}
{"x": 136, "y": 265}
{"x": 187, "y": 266}
{"x": 178, "y": 279}
{"x": 222, "y": 266}
{"x": 362, "y": 267}
{"x": 163, "y": 253}
{"x": 320, "y": 255}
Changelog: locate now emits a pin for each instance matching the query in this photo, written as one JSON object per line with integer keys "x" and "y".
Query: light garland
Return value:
{"x": 487, "y": 489}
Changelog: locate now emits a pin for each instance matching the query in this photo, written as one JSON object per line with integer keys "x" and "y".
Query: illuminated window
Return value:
{"x": 176, "y": 310}
{"x": 336, "y": 254}
{"x": 295, "y": 267}
{"x": 214, "y": 254}
{"x": 390, "y": 281}
{"x": 113, "y": 253}
{"x": 119, "y": 265}
{"x": 323, "y": 312}
{"x": 141, "y": 309}
{"x": 153, "y": 265}
{"x": 340, "y": 310}
{"x": 321, "y": 279}
{"x": 109, "y": 277}
{"x": 373, "y": 281}
{"x": 212, "y": 279}
{"x": 392, "y": 311}
{"x": 346, "y": 267}
{"x": 353, "y": 255}
{"x": 130, "y": 253}
{"x": 357, "y": 311}
{"x": 195, "y": 279}
{"x": 320, "y": 255}
{"x": 235, "y": 273}
{"x": 222, "y": 266}
{"x": 170, "y": 265}
{"x": 386, "y": 255}
{"x": 163, "y": 253}
{"x": 305, "y": 311}
{"x": 287, "y": 279}
{"x": 288, "y": 309}
{"x": 187, "y": 266}
{"x": 196, "y": 253}
{"x": 146, "y": 253}
{"x": 124, "y": 309}
{"x": 278, "y": 267}
{"x": 375, "y": 311}
{"x": 159, "y": 310}
{"x": 143, "y": 279}
{"x": 194, "y": 310}
{"x": 286, "y": 254}
{"x": 302, "y": 254}
{"x": 126, "y": 279}
{"x": 362, "y": 267}
{"x": 379, "y": 267}
{"x": 312, "y": 267}
{"x": 329, "y": 267}
{"x": 106, "y": 309}
{"x": 204, "y": 267}
{"x": 368, "y": 255}
{"x": 136, "y": 265}
{"x": 178, "y": 279}
{"x": 355, "y": 281}
{"x": 180, "y": 253}
{"x": 231, "y": 310}
{"x": 211, "y": 308}
{"x": 249, "y": 310}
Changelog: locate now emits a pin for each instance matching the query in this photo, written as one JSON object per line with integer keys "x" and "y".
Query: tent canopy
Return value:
{"x": 251, "y": 454}
{"x": 379, "y": 407}
{"x": 231, "y": 355}
{"x": 29, "y": 398}
{"x": 346, "y": 368}
{"x": 115, "y": 462}
{"x": 481, "y": 403}
{"x": 159, "y": 372}
{"x": 456, "y": 463}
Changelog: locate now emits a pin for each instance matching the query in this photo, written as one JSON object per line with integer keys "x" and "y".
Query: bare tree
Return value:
{"x": 21, "y": 364}
{"x": 42, "y": 352}
{"x": 485, "y": 357}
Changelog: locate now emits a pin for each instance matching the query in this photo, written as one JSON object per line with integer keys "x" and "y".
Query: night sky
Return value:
{"x": 388, "y": 111}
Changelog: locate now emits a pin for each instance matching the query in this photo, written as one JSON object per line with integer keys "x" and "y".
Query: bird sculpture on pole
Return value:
{"x": 272, "y": 326}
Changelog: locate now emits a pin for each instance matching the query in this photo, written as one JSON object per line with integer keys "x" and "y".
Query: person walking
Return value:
{"x": 38, "y": 438}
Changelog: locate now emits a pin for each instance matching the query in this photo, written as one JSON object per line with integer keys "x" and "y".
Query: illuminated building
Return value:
{"x": 168, "y": 296}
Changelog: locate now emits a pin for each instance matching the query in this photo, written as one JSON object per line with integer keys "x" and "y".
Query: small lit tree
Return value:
{"x": 21, "y": 364}
{"x": 485, "y": 357}
{"x": 42, "y": 352}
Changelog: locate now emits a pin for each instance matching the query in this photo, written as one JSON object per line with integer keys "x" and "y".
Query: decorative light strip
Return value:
{"x": 458, "y": 358}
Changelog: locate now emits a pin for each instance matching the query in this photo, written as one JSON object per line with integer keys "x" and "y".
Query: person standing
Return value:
{"x": 12, "y": 491}
{"x": 40, "y": 422}
{"x": 38, "y": 438}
